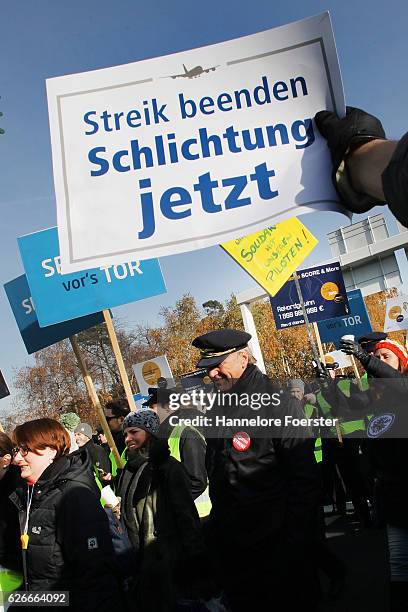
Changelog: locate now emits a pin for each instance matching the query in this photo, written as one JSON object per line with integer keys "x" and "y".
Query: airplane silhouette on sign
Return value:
{"x": 193, "y": 73}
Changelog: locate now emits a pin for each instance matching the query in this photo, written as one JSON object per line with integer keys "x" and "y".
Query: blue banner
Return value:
{"x": 4, "y": 390}
{"x": 357, "y": 322}
{"x": 324, "y": 295}
{"x": 34, "y": 336}
{"x": 60, "y": 297}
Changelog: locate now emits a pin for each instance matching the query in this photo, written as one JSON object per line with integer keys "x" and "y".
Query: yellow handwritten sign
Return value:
{"x": 270, "y": 256}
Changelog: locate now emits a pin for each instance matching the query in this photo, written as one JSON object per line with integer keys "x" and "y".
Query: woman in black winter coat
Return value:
{"x": 69, "y": 545}
{"x": 160, "y": 515}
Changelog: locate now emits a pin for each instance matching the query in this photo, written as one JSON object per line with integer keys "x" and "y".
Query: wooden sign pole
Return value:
{"x": 93, "y": 396}
{"x": 318, "y": 341}
{"x": 119, "y": 359}
{"x": 319, "y": 346}
{"x": 355, "y": 368}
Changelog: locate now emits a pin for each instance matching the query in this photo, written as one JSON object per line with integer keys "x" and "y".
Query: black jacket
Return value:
{"x": 162, "y": 523}
{"x": 389, "y": 450}
{"x": 70, "y": 548}
{"x": 119, "y": 440}
{"x": 272, "y": 488}
{"x": 99, "y": 458}
{"x": 10, "y": 549}
{"x": 192, "y": 450}
{"x": 395, "y": 182}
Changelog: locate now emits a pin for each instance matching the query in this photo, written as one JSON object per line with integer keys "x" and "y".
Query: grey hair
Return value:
{"x": 247, "y": 351}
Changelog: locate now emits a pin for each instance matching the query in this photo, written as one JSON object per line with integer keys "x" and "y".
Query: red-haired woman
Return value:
{"x": 69, "y": 546}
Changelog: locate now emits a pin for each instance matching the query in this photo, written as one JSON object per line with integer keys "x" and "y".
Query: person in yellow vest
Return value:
{"x": 186, "y": 442}
{"x": 10, "y": 556}
{"x": 327, "y": 560}
{"x": 342, "y": 461}
{"x": 296, "y": 388}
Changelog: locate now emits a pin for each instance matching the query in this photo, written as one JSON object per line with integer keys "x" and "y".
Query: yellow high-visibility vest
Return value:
{"x": 318, "y": 451}
{"x": 346, "y": 427}
{"x": 9, "y": 580}
{"x": 203, "y": 502}
{"x": 114, "y": 465}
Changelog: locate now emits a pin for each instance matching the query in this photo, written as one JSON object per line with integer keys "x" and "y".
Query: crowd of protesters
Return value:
{"x": 233, "y": 521}
{"x": 210, "y": 522}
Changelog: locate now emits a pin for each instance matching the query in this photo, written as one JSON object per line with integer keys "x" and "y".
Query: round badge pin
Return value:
{"x": 380, "y": 424}
{"x": 241, "y": 441}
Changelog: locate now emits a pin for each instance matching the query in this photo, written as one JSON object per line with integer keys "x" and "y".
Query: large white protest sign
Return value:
{"x": 193, "y": 149}
{"x": 396, "y": 313}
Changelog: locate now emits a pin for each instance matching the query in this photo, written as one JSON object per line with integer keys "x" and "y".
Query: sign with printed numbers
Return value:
{"x": 324, "y": 296}
{"x": 35, "y": 337}
{"x": 60, "y": 297}
{"x": 356, "y": 322}
{"x": 193, "y": 149}
{"x": 272, "y": 255}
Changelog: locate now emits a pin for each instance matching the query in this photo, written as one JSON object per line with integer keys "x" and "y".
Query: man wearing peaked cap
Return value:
{"x": 216, "y": 345}
{"x": 263, "y": 484}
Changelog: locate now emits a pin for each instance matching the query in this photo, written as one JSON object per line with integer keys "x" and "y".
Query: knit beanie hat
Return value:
{"x": 84, "y": 428}
{"x": 145, "y": 419}
{"x": 70, "y": 420}
{"x": 398, "y": 349}
{"x": 296, "y": 383}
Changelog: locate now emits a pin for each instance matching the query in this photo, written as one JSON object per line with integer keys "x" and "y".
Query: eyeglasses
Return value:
{"x": 23, "y": 450}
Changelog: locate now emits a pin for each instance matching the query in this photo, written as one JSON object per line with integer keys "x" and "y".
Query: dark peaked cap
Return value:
{"x": 215, "y": 346}
{"x": 369, "y": 341}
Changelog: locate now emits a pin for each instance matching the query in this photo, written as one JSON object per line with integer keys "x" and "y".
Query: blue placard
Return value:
{"x": 323, "y": 292}
{"x": 140, "y": 400}
{"x": 4, "y": 390}
{"x": 60, "y": 297}
{"x": 34, "y": 336}
{"x": 357, "y": 322}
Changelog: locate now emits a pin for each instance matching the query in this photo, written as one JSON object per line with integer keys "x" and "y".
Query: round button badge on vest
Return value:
{"x": 241, "y": 441}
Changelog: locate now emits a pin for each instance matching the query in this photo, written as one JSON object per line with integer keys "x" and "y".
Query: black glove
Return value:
{"x": 351, "y": 347}
{"x": 343, "y": 136}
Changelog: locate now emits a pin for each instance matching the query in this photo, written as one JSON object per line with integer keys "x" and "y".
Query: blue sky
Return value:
{"x": 47, "y": 38}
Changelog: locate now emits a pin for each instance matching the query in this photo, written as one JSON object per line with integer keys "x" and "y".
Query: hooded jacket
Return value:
{"x": 70, "y": 548}
{"x": 162, "y": 523}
